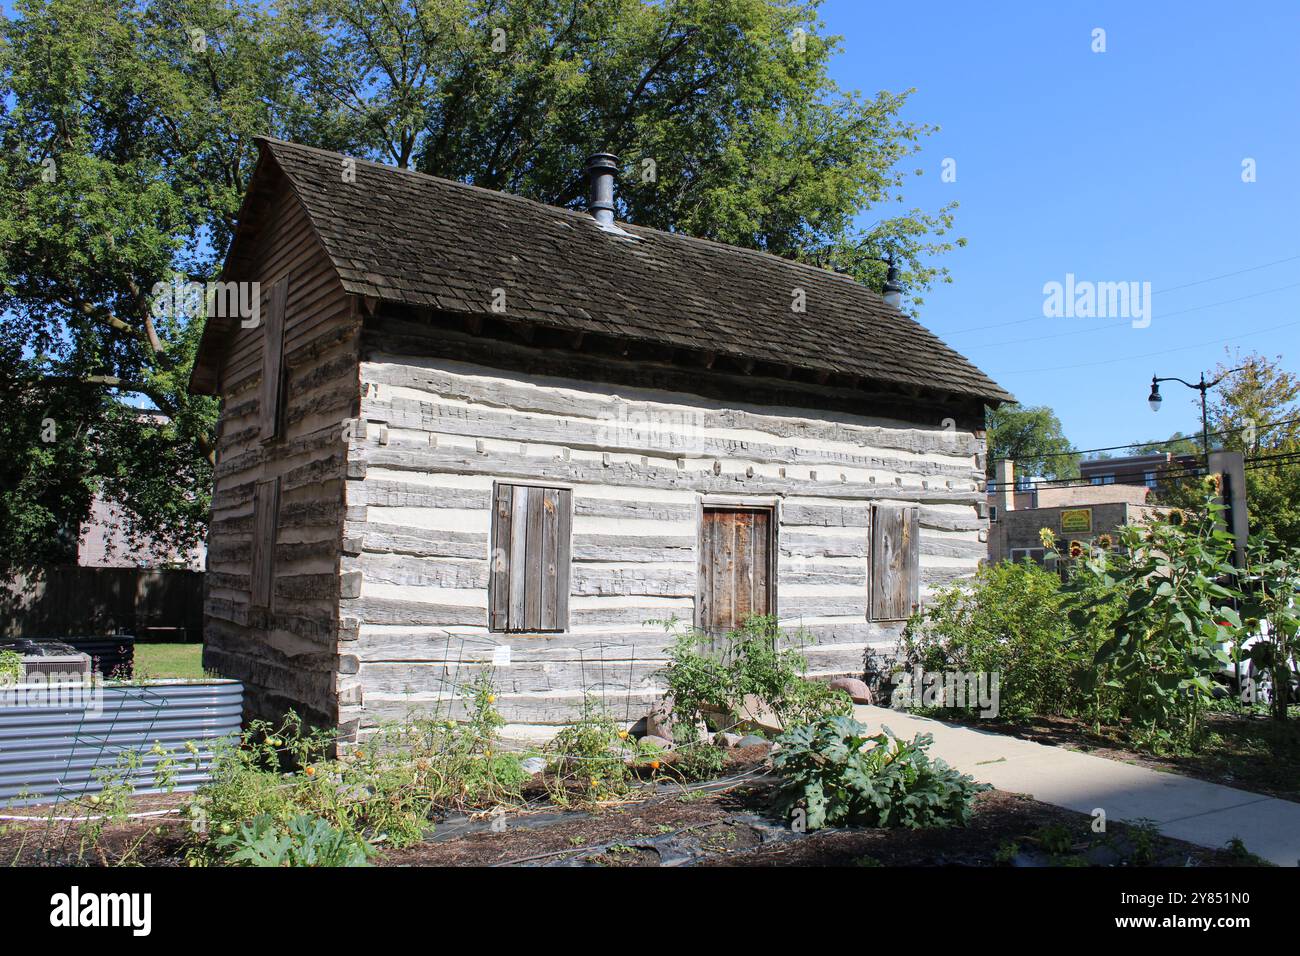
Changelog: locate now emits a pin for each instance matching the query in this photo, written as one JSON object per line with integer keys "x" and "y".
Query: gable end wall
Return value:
{"x": 286, "y": 654}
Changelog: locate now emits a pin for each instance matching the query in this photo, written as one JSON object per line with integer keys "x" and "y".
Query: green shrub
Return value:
{"x": 1170, "y": 608}
{"x": 755, "y": 660}
{"x": 302, "y": 841}
{"x": 699, "y": 760}
{"x": 1006, "y": 621}
{"x": 11, "y": 667}
{"x": 838, "y": 774}
{"x": 390, "y": 788}
{"x": 1271, "y": 583}
{"x": 589, "y": 757}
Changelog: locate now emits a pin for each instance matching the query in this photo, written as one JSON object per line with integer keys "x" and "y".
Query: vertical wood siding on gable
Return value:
{"x": 286, "y": 654}
{"x": 427, "y": 510}
{"x": 272, "y": 389}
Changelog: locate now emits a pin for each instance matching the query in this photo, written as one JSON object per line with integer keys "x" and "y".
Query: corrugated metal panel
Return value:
{"x": 53, "y": 747}
{"x": 110, "y": 656}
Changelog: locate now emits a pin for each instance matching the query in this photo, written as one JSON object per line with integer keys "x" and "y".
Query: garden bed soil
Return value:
{"x": 720, "y": 823}
{"x": 1005, "y": 829}
{"x": 53, "y": 841}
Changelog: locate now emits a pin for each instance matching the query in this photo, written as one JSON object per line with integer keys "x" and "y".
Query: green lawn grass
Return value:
{"x": 169, "y": 660}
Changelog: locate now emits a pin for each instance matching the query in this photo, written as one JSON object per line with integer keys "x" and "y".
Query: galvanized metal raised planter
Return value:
{"x": 57, "y": 741}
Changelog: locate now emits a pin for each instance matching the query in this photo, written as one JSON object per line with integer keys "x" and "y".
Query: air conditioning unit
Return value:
{"x": 56, "y": 669}
{"x": 50, "y": 662}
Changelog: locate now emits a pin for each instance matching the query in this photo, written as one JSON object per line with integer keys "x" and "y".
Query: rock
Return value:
{"x": 726, "y": 740}
{"x": 753, "y": 740}
{"x": 719, "y": 720}
{"x": 857, "y": 690}
{"x": 659, "y": 722}
{"x": 663, "y": 743}
{"x": 756, "y": 715}
{"x": 532, "y": 765}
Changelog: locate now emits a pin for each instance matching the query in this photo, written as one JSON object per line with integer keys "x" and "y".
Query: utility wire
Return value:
{"x": 1175, "y": 474}
{"x": 1169, "y": 441}
{"x": 1130, "y": 358}
{"x": 1173, "y": 288}
{"x": 1124, "y": 323}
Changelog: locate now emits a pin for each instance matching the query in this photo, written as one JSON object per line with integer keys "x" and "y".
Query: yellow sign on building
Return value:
{"x": 1074, "y": 520}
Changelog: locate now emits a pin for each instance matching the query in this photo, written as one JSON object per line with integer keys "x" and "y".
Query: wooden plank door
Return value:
{"x": 735, "y": 567}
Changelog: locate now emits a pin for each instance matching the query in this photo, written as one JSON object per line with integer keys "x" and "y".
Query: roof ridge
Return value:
{"x": 673, "y": 287}
{"x": 578, "y": 214}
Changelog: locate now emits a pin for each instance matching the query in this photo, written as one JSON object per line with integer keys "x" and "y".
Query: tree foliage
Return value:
{"x": 1033, "y": 437}
{"x": 1255, "y": 411}
{"x": 127, "y": 129}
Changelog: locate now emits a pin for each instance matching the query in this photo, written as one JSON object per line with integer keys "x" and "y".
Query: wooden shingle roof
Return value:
{"x": 411, "y": 238}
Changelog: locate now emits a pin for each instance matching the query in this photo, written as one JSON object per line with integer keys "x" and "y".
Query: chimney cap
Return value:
{"x": 602, "y": 161}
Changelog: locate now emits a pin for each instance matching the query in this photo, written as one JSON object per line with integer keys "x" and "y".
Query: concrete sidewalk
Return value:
{"x": 1206, "y": 814}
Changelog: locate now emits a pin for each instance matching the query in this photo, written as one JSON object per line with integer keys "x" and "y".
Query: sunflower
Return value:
{"x": 1048, "y": 538}
{"x": 1176, "y": 517}
{"x": 1077, "y": 549}
{"x": 1105, "y": 542}
{"x": 1214, "y": 484}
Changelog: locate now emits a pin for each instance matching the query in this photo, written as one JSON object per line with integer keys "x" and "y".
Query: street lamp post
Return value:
{"x": 1203, "y": 387}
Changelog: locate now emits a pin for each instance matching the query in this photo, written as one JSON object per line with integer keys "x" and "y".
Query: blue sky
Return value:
{"x": 1117, "y": 166}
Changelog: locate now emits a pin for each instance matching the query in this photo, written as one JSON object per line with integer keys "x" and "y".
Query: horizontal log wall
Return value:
{"x": 435, "y": 433}
{"x": 286, "y": 654}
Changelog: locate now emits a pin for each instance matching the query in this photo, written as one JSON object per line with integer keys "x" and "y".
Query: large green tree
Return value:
{"x": 1257, "y": 411}
{"x": 127, "y": 130}
{"x": 1032, "y": 436}
{"x": 126, "y": 139}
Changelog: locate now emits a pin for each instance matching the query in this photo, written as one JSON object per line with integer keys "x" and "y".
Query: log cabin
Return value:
{"x": 469, "y": 430}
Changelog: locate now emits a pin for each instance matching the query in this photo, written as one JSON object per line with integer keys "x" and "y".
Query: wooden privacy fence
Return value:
{"x": 60, "y": 601}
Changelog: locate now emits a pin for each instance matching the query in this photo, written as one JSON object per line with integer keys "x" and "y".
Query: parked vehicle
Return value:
{"x": 1251, "y": 677}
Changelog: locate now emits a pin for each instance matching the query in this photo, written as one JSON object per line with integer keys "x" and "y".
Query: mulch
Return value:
{"x": 619, "y": 836}
{"x": 721, "y": 823}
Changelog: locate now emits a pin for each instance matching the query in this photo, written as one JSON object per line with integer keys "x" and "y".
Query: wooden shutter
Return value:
{"x": 528, "y": 588}
{"x": 499, "y": 567}
{"x": 895, "y": 562}
{"x": 272, "y": 393}
{"x": 735, "y": 567}
{"x": 266, "y": 512}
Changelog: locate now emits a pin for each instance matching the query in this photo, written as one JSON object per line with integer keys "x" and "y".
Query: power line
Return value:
{"x": 1177, "y": 474}
{"x": 1173, "y": 288}
{"x": 1130, "y": 358}
{"x": 1168, "y": 441}
{"x": 1125, "y": 323}
{"x": 1279, "y": 455}
{"x": 1229, "y": 275}
{"x": 1182, "y": 473}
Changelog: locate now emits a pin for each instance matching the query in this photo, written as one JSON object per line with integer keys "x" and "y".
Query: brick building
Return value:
{"x": 1019, "y": 510}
